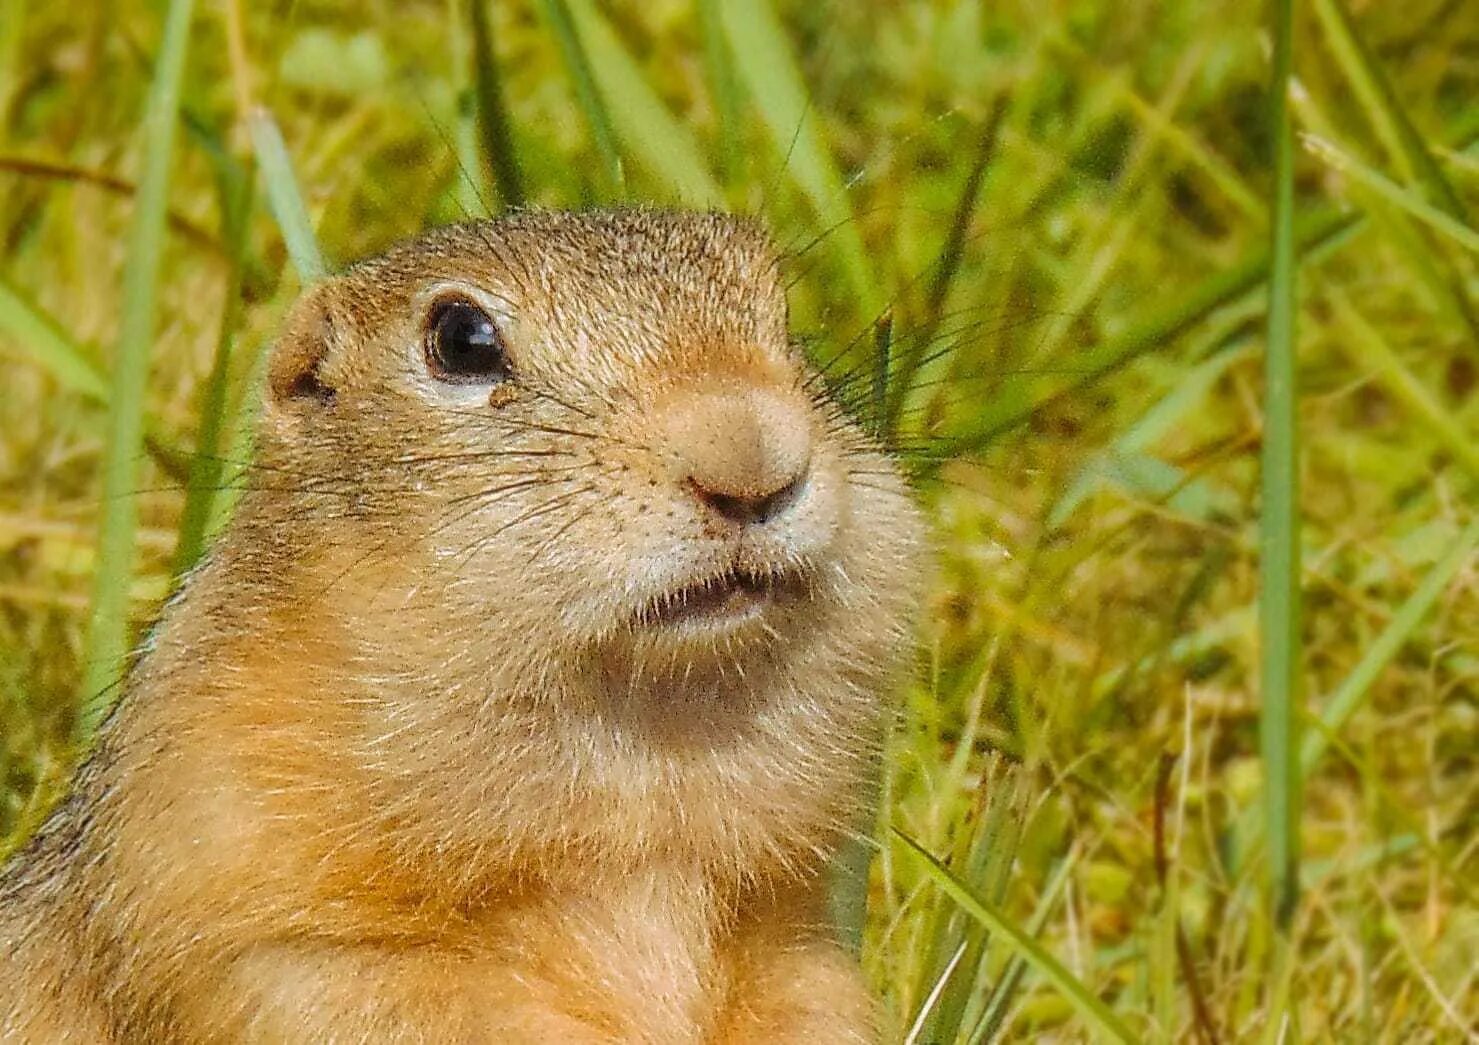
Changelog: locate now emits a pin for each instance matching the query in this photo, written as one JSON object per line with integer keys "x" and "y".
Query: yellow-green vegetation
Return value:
{"x": 1168, "y": 358}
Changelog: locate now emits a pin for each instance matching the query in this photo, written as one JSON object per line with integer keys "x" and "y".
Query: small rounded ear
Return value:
{"x": 296, "y": 371}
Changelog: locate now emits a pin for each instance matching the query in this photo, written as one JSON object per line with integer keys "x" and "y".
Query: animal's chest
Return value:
{"x": 640, "y": 957}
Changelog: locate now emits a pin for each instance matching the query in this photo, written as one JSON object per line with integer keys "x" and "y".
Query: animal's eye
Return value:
{"x": 463, "y": 345}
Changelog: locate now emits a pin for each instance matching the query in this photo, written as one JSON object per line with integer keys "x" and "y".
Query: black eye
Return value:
{"x": 463, "y": 345}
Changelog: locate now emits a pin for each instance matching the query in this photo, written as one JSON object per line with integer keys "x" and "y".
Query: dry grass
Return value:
{"x": 1081, "y": 741}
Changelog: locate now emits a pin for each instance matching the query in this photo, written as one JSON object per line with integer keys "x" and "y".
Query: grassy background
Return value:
{"x": 1065, "y": 211}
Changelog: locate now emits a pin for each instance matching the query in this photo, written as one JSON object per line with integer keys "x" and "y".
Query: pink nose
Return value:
{"x": 744, "y": 453}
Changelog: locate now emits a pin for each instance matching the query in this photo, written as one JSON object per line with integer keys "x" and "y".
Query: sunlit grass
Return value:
{"x": 108, "y": 632}
{"x": 1281, "y": 675}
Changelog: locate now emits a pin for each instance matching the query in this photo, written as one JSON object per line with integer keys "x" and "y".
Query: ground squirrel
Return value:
{"x": 526, "y": 695}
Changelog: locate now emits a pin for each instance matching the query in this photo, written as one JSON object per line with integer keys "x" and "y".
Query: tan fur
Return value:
{"x": 404, "y": 761}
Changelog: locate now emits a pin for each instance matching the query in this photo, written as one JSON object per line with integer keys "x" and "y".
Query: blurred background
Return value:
{"x": 1030, "y": 241}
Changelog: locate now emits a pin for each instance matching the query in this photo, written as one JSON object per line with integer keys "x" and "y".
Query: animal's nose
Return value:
{"x": 744, "y": 454}
{"x": 748, "y": 508}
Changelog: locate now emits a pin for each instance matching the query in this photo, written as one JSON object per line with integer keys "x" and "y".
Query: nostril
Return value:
{"x": 747, "y": 509}
{"x": 743, "y": 452}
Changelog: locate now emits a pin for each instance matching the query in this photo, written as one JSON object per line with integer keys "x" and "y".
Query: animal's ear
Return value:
{"x": 299, "y": 379}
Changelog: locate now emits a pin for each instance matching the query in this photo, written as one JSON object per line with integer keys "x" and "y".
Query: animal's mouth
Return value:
{"x": 723, "y": 601}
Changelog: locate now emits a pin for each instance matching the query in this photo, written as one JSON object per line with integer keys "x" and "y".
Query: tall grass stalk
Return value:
{"x": 646, "y": 128}
{"x": 494, "y": 126}
{"x": 724, "y": 90}
{"x": 285, "y": 198}
{"x": 472, "y": 189}
{"x": 1279, "y": 521}
{"x": 764, "y": 61}
{"x": 108, "y": 634}
{"x": 207, "y": 465}
{"x": 951, "y": 254}
{"x": 587, "y": 94}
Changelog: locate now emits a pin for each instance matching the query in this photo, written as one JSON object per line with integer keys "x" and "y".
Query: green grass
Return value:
{"x": 1094, "y": 1012}
{"x": 1194, "y": 414}
{"x": 492, "y": 113}
{"x": 285, "y": 198}
{"x": 578, "y": 68}
{"x": 1281, "y": 674}
{"x": 103, "y": 658}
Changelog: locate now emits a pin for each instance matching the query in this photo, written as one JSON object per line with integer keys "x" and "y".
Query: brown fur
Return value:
{"x": 404, "y": 762}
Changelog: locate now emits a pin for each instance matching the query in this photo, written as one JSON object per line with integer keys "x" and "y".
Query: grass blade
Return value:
{"x": 48, "y": 346}
{"x": 45, "y": 343}
{"x": 107, "y": 637}
{"x": 723, "y": 90}
{"x": 203, "y": 485}
{"x": 1279, "y": 522}
{"x": 62, "y": 171}
{"x": 1393, "y": 193}
{"x": 284, "y": 197}
{"x": 1367, "y": 346}
{"x": 1383, "y": 109}
{"x": 239, "y": 438}
{"x": 1347, "y": 698}
{"x": 763, "y": 59}
{"x": 1001, "y": 996}
{"x": 932, "y": 999}
{"x": 1088, "y": 1005}
{"x": 952, "y": 253}
{"x": 472, "y": 191}
{"x": 1019, "y": 400}
{"x": 492, "y": 113}
{"x": 883, "y": 336}
{"x": 642, "y": 122}
{"x": 1179, "y": 401}
{"x": 587, "y": 96}
{"x": 12, "y": 28}
{"x": 1352, "y": 691}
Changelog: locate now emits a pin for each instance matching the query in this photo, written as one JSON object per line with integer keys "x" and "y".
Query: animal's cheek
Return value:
{"x": 882, "y": 540}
